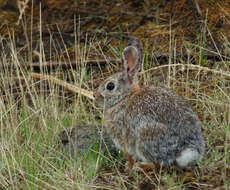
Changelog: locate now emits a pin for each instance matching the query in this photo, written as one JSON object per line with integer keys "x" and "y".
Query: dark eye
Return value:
{"x": 110, "y": 86}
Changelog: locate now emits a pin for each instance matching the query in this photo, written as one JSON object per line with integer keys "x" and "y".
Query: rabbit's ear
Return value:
{"x": 132, "y": 58}
{"x": 131, "y": 62}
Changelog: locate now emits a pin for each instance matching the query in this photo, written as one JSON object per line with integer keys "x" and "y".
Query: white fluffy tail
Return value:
{"x": 187, "y": 157}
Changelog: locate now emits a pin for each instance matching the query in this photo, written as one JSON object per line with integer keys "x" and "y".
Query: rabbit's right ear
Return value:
{"x": 132, "y": 57}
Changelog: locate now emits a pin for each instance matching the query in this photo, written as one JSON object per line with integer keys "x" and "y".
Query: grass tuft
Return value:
{"x": 34, "y": 112}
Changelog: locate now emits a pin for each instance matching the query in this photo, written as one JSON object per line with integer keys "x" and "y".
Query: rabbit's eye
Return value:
{"x": 110, "y": 86}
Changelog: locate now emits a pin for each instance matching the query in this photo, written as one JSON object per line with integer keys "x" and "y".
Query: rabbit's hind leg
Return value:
{"x": 153, "y": 145}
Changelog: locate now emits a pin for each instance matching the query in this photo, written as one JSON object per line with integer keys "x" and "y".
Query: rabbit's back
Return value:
{"x": 161, "y": 105}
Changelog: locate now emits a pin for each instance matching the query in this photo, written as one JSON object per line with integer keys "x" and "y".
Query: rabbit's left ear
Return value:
{"x": 131, "y": 62}
{"x": 132, "y": 58}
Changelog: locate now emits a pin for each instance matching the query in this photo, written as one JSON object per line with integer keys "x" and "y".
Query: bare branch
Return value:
{"x": 68, "y": 86}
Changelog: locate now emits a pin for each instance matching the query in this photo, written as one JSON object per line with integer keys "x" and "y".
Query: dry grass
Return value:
{"x": 33, "y": 112}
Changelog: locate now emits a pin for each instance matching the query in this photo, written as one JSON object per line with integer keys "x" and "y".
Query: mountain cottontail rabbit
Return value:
{"x": 150, "y": 124}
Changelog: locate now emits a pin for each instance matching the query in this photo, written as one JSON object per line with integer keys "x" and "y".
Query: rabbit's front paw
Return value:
{"x": 146, "y": 166}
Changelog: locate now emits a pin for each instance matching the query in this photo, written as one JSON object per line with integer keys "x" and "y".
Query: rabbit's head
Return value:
{"x": 121, "y": 84}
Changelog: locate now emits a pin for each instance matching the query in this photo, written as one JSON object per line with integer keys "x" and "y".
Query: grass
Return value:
{"x": 34, "y": 112}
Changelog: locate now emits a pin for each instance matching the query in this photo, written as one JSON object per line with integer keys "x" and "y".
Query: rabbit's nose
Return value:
{"x": 96, "y": 94}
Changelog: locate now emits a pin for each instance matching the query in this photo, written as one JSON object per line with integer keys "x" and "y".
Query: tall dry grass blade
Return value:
{"x": 22, "y": 5}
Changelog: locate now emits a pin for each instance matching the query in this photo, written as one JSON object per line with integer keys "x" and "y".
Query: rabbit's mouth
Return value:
{"x": 99, "y": 99}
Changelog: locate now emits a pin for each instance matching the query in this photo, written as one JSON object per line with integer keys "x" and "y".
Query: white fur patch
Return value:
{"x": 187, "y": 157}
{"x": 117, "y": 144}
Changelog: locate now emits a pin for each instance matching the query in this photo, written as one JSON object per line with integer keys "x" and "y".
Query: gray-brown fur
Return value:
{"x": 149, "y": 123}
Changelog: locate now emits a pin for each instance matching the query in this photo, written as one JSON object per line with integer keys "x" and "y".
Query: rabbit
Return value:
{"x": 150, "y": 124}
{"x": 80, "y": 139}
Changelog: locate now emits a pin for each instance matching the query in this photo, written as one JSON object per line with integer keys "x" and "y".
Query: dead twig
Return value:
{"x": 68, "y": 64}
{"x": 191, "y": 67}
{"x": 63, "y": 65}
{"x": 68, "y": 86}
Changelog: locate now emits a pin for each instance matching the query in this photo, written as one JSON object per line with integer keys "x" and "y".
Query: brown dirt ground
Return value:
{"x": 111, "y": 21}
